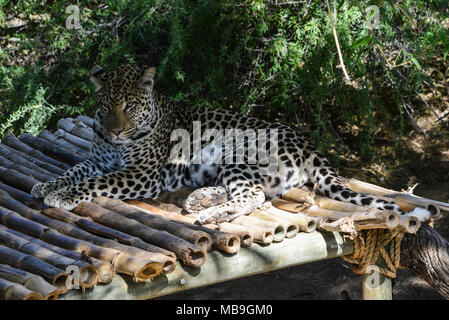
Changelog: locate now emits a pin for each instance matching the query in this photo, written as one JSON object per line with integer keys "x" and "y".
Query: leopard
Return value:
{"x": 132, "y": 155}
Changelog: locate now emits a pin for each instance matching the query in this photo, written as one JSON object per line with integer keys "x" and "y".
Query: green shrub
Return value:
{"x": 275, "y": 60}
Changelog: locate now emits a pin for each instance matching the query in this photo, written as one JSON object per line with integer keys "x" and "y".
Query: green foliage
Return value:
{"x": 276, "y": 61}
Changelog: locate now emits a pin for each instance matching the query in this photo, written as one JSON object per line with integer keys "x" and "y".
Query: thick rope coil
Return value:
{"x": 369, "y": 244}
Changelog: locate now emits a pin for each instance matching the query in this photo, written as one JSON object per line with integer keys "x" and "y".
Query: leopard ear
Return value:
{"x": 95, "y": 72}
{"x": 146, "y": 81}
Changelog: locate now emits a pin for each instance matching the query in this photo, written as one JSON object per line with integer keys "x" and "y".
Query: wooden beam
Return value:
{"x": 219, "y": 267}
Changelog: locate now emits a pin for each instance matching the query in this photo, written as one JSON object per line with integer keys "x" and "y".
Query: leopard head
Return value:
{"x": 125, "y": 101}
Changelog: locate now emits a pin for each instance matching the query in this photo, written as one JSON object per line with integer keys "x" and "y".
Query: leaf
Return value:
{"x": 360, "y": 42}
{"x": 415, "y": 62}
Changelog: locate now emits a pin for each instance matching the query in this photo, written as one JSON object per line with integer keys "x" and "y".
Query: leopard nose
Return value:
{"x": 116, "y": 131}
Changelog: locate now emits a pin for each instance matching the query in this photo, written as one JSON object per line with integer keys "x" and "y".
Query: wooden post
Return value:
{"x": 376, "y": 286}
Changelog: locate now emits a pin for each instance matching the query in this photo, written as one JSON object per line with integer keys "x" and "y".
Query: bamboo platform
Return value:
{"x": 141, "y": 249}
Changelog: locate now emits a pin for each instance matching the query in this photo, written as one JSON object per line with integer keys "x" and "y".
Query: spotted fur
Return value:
{"x": 130, "y": 156}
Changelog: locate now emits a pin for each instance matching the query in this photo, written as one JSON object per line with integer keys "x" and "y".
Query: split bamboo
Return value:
{"x": 30, "y": 281}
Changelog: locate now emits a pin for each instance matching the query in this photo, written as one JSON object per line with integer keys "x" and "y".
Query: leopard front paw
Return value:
{"x": 63, "y": 198}
{"x": 212, "y": 215}
{"x": 204, "y": 198}
{"x": 41, "y": 190}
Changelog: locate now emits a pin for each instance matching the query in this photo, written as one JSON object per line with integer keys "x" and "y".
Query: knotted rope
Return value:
{"x": 369, "y": 244}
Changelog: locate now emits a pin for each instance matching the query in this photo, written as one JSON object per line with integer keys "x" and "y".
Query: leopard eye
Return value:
{"x": 130, "y": 105}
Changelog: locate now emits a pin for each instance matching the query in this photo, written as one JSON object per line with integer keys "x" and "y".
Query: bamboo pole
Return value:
{"x": 14, "y": 291}
{"x": 105, "y": 269}
{"x": 24, "y": 170}
{"x": 291, "y": 229}
{"x": 304, "y": 222}
{"x": 51, "y": 149}
{"x": 405, "y": 201}
{"x": 70, "y": 138}
{"x": 141, "y": 267}
{"x": 302, "y": 249}
{"x": 26, "y": 161}
{"x": 79, "y": 129}
{"x": 17, "y": 179}
{"x": 190, "y": 254}
{"x": 371, "y": 219}
{"x": 16, "y": 193}
{"x": 224, "y": 241}
{"x": 25, "y": 149}
{"x": 86, "y": 120}
{"x": 277, "y": 229}
{"x": 50, "y": 137}
{"x": 88, "y": 274}
{"x": 299, "y": 195}
{"x": 196, "y": 237}
{"x": 30, "y": 281}
{"x": 142, "y": 249}
{"x": 20, "y": 260}
{"x": 343, "y": 225}
{"x": 246, "y": 236}
{"x": 409, "y": 224}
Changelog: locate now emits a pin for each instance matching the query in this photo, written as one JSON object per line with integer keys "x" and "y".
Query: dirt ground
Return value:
{"x": 323, "y": 280}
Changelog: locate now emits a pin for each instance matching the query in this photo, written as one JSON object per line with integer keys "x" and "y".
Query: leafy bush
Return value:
{"x": 276, "y": 60}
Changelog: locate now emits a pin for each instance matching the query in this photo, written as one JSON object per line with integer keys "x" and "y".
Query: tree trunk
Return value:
{"x": 427, "y": 254}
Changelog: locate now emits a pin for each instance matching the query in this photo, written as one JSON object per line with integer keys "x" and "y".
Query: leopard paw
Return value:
{"x": 62, "y": 199}
{"x": 41, "y": 190}
{"x": 212, "y": 215}
{"x": 204, "y": 198}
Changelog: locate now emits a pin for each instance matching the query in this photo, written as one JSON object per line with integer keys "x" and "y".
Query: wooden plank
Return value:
{"x": 219, "y": 267}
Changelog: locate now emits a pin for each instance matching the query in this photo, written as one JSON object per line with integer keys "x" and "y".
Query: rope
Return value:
{"x": 369, "y": 244}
